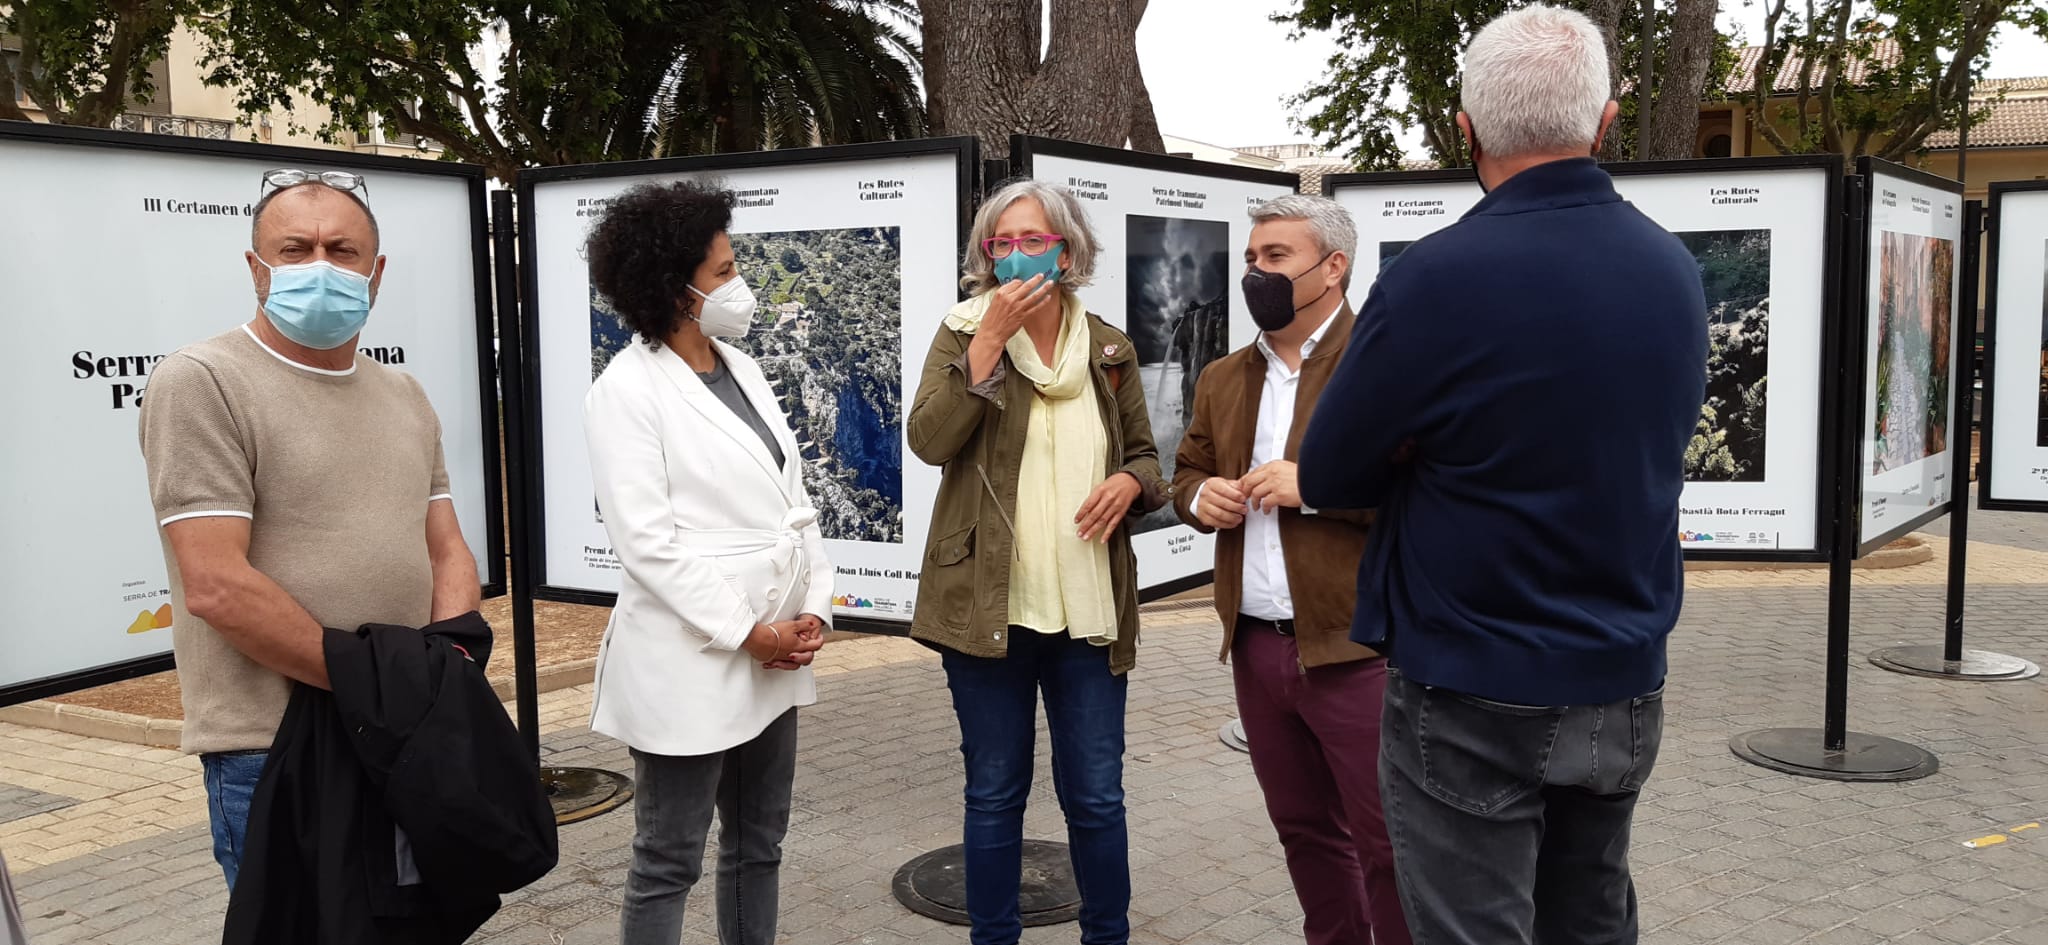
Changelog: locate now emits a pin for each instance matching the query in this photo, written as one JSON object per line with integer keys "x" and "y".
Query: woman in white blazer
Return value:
{"x": 726, "y": 593}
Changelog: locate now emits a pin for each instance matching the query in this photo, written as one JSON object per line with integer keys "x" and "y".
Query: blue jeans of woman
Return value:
{"x": 996, "y": 701}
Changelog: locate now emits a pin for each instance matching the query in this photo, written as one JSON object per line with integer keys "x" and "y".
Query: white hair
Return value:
{"x": 1535, "y": 82}
{"x": 1063, "y": 214}
{"x": 1327, "y": 220}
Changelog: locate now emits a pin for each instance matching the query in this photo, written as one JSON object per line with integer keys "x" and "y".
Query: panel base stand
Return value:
{"x": 1233, "y": 735}
{"x": 1975, "y": 666}
{"x": 578, "y": 794}
{"x": 935, "y": 885}
{"x": 1803, "y": 751}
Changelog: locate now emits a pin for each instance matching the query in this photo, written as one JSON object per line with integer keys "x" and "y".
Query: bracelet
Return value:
{"x": 778, "y": 642}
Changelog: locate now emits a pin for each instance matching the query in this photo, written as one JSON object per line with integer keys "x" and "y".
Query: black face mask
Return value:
{"x": 1270, "y": 296}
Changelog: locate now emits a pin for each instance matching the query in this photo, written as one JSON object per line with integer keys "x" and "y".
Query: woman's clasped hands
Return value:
{"x": 786, "y": 644}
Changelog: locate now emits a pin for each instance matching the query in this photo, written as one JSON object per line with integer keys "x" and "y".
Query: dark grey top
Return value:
{"x": 728, "y": 390}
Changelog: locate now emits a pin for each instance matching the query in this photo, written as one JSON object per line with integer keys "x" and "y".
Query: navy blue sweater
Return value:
{"x": 1546, "y": 357}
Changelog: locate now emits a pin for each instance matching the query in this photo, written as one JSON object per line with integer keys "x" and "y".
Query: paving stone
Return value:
{"x": 1724, "y": 852}
{"x": 18, "y": 802}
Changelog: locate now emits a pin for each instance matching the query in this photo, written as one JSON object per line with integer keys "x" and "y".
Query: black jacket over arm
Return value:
{"x": 398, "y": 807}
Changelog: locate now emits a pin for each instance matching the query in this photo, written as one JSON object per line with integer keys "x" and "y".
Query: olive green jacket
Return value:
{"x": 977, "y": 436}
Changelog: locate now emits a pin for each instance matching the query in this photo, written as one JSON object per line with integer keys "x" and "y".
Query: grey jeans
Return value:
{"x": 1510, "y": 823}
{"x": 673, "y": 797}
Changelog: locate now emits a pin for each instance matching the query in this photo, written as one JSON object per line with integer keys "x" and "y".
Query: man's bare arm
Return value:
{"x": 457, "y": 590}
{"x": 250, "y": 610}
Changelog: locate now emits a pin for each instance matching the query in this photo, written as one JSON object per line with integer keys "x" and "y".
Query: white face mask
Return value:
{"x": 728, "y": 311}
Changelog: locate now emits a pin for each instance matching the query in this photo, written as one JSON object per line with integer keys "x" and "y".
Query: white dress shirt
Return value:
{"x": 1266, "y": 595}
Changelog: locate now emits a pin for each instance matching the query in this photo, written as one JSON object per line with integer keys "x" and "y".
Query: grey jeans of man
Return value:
{"x": 1510, "y": 823}
{"x": 673, "y": 797}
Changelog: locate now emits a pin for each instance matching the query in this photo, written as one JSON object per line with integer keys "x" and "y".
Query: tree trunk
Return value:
{"x": 1948, "y": 92}
{"x": 1764, "y": 84}
{"x": 136, "y": 24}
{"x": 1671, "y": 130}
{"x": 131, "y": 21}
{"x": 1646, "y": 69}
{"x": 10, "y": 106}
{"x": 1144, "y": 134}
{"x": 1837, "y": 73}
{"x": 45, "y": 98}
{"x": 1606, "y": 14}
{"x": 934, "y": 15}
{"x": 984, "y": 60}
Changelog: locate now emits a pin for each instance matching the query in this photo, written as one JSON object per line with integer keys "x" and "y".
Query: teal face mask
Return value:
{"x": 1018, "y": 267}
{"x": 317, "y": 304}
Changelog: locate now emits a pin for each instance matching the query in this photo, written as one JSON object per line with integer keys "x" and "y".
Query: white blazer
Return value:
{"x": 714, "y": 538}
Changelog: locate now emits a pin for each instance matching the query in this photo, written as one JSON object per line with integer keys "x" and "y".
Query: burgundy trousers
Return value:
{"x": 1315, "y": 741}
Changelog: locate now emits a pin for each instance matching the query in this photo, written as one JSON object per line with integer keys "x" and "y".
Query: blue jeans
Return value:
{"x": 1511, "y": 823}
{"x": 231, "y": 778}
{"x": 996, "y": 701}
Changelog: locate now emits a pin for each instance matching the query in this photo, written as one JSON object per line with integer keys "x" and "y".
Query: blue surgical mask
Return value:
{"x": 317, "y": 304}
{"x": 1018, "y": 267}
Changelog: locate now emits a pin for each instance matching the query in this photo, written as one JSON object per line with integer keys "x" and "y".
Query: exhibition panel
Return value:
{"x": 1766, "y": 234}
{"x": 1173, "y": 233}
{"x": 2014, "y": 474}
{"x": 853, "y": 253}
{"x": 1393, "y": 210}
{"x": 1909, "y": 359}
{"x": 141, "y": 246}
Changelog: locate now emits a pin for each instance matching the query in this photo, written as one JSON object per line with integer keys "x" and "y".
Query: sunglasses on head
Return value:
{"x": 345, "y": 181}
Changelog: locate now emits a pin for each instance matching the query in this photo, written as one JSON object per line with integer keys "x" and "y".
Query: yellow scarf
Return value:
{"x": 1057, "y": 581}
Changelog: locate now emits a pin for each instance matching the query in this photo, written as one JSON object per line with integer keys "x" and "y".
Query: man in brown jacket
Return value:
{"x": 1308, "y": 696}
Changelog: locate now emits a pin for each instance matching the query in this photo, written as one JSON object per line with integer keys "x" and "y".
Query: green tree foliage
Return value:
{"x": 580, "y": 80}
{"x": 1396, "y": 68}
{"x": 1875, "y": 76}
{"x": 778, "y": 75}
{"x": 83, "y": 62}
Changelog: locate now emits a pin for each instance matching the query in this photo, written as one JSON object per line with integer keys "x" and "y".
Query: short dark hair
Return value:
{"x": 645, "y": 248}
{"x": 256, "y": 215}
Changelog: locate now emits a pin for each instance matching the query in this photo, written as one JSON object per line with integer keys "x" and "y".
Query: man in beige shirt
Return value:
{"x": 297, "y": 486}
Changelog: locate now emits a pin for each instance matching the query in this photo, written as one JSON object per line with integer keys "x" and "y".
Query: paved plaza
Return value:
{"x": 110, "y": 845}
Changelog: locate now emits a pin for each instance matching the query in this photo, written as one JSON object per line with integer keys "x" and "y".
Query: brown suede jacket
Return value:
{"x": 1321, "y": 549}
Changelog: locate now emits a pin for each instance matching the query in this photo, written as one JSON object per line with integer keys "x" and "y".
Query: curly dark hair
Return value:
{"x": 646, "y": 246}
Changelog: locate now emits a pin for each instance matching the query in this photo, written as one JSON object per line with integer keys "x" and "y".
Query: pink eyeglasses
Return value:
{"x": 1033, "y": 244}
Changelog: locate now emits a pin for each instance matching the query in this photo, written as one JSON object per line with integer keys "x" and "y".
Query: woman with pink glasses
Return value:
{"x": 1033, "y": 408}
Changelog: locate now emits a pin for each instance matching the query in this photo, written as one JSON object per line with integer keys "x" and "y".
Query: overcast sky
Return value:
{"x": 1220, "y": 71}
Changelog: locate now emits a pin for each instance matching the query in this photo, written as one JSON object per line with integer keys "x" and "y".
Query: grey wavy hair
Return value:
{"x": 1327, "y": 220}
{"x": 1535, "y": 82}
{"x": 1063, "y": 214}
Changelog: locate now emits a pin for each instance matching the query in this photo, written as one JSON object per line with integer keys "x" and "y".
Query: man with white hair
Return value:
{"x": 1309, "y": 697}
{"x": 1516, "y": 403}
